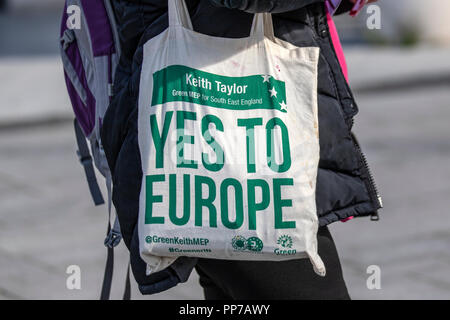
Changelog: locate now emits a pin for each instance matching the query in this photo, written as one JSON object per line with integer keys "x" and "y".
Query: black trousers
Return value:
{"x": 292, "y": 279}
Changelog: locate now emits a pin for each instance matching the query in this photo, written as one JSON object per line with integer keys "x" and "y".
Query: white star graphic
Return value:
{"x": 266, "y": 78}
{"x": 273, "y": 92}
{"x": 283, "y": 105}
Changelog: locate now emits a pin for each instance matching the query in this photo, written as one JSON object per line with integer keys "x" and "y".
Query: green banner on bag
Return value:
{"x": 181, "y": 83}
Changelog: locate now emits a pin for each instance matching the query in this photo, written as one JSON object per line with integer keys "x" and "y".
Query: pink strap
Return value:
{"x": 341, "y": 58}
{"x": 347, "y": 219}
{"x": 337, "y": 45}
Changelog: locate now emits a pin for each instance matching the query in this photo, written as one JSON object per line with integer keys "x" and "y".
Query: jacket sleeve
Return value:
{"x": 273, "y": 6}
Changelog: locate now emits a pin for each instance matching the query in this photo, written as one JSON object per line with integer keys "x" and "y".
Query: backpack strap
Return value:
{"x": 113, "y": 234}
{"x": 127, "y": 292}
{"x": 108, "y": 274}
{"x": 66, "y": 40}
{"x": 86, "y": 160}
{"x": 113, "y": 237}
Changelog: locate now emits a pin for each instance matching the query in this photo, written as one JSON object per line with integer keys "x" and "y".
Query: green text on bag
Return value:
{"x": 181, "y": 83}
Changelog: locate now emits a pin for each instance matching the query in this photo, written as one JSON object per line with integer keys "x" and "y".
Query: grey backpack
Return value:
{"x": 90, "y": 52}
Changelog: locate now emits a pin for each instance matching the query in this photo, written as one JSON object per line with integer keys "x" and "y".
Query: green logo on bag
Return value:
{"x": 239, "y": 243}
{"x": 285, "y": 241}
{"x": 254, "y": 244}
{"x": 181, "y": 83}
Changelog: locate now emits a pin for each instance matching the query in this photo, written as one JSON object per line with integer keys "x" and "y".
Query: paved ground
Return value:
{"x": 47, "y": 221}
{"x": 406, "y": 139}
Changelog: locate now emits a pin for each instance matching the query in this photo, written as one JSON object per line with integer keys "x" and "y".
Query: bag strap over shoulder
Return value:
{"x": 179, "y": 14}
{"x": 262, "y": 26}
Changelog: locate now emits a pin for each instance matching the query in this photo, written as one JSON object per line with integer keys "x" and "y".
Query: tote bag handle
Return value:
{"x": 179, "y": 14}
{"x": 262, "y": 25}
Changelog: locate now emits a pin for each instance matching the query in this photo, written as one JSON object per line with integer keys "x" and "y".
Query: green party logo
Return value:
{"x": 254, "y": 244}
{"x": 240, "y": 243}
{"x": 285, "y": 241}
{"x": 181, "y": 83}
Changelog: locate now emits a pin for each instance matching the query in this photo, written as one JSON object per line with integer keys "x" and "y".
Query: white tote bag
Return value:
{"x": 228, "y": 136}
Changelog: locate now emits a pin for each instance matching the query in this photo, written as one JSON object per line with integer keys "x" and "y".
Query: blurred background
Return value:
{"x": 400, "y": 75}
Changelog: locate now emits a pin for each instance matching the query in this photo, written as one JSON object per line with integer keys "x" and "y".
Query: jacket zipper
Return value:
{"x": 323, "y": 31}
{"x": 373, "y": 189}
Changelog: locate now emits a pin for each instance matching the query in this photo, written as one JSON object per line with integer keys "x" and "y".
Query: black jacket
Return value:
{"x": 344, "y": 184}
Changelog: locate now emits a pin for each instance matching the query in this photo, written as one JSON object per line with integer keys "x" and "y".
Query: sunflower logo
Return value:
{"x": 285, "y": 241}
